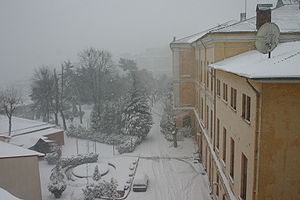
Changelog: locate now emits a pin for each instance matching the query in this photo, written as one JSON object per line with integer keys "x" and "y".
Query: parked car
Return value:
{"x": 140, "y": 184}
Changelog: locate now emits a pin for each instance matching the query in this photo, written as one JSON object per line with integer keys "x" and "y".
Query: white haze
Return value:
{"x": 35, "y": 33}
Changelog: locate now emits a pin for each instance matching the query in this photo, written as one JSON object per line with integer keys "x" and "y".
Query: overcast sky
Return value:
{"x": 35, "y": 33}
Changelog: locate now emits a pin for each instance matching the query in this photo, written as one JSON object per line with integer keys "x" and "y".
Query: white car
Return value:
{"x": 140, "y": 184}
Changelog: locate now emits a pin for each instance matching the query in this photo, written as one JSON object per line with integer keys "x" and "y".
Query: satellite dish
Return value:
{"x": 267, "y": 38}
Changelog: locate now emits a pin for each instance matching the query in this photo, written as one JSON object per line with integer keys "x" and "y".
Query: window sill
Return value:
{"x": 222, "y": 161}
{"x": 233, "y": 109}
{"x": 247, "y": 121}
{"x": 224, "y": 101}
{"x": 231, "y": 180}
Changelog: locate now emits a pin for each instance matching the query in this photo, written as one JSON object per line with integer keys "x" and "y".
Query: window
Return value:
{"x": 218, "y": 133}
{"x": 207, "y": 78}
{"x": 244, "y": 169}
{"x": 246, "y": 106}
{"x": 201, "y": 67}
{"x": 218, "y": 184}
{"x": 207, "y": 117}
{"x": 218, "y": 87}
{"x": 211, "y": 124}
{"x": 202, "y": 109}
{"x": 225, "y": 96}
{"x": 232, "y": 158}
{"x": 211, "y": 81}
{"x": 224, "y": 144}
{"x": 233, "y": 98}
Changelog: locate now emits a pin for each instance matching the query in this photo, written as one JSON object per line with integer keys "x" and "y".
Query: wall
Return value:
{"x": 20, "y": 176}
{"x": 57, "y": 137}
{"x": 279, "y": 160}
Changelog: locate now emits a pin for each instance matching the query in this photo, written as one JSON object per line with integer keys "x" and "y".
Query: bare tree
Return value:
{"x": 10, "y": 98}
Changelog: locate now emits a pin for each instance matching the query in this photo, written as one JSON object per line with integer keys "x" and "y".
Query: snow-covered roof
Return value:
{"x": 284, "y": 63}
{"x": 6, "y": 195}
{"x": 30, "y": 139}
{"x": 287, "y": 17}
{"x": 21, "y": 125}
{"x": 9, "y": 150}
{"x": 194, "y": 37}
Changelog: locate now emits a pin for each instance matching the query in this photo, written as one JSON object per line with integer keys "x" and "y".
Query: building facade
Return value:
{"x": 19, "y": 171}
{"x": 237, "y": 123}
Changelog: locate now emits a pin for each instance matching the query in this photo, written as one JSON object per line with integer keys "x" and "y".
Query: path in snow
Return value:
{"x": 172, "y": 174}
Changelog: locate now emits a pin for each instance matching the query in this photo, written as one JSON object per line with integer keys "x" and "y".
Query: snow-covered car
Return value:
{"x": 140, "y": 184}
{"x": 131, "y": 173}
{"x": 131, "y": 167}
{"x": 126, "y": 186}
{"x": 129, "y": 180}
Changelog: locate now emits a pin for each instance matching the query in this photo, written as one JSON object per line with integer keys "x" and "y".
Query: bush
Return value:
{"x": 124, "y": 143}
{"x": 57, "y": 183}
{"x": 101, "y": 189}
{"x": 78, "y": 160}
{"x": 53, "y": 157}
{"x": 96, "y": 174}
{"x": 129, "y": 144}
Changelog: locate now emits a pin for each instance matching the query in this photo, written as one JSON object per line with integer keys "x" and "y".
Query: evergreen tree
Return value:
{"x": 96, "y": 174}
{"x": 57, "y": 183}
{"x": 137, "y": 118}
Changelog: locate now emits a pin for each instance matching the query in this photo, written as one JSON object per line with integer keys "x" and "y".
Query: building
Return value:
{"x": 243, "y": 107}
{"x": 30, "y": 134}
{"x": 19, "y": 171}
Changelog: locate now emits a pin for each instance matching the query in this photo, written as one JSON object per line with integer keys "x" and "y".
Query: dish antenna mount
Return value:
{"x": 267, "y": 38}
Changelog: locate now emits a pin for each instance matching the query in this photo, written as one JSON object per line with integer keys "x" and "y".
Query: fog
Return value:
{"x": 35, "y": 33}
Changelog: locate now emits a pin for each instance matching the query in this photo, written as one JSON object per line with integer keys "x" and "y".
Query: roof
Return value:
{"x": 287, "y": 17}
{"x": 30, "y": 139}
{"x": 286, "y": 2}
{"x": 6, "y": 195}
{"x": 194, "y": 37}
{"x": 9, "y": 150}
{"x": 21, "y": 125}
{"x": 283, "y": 64}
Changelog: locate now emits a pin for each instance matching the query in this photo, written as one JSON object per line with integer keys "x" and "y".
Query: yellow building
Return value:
{"x": 243, "y": 107}
{"x": 19, "y": 172}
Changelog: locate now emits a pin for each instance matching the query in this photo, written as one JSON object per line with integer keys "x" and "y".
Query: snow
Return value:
{"x": 194, "y": 37}
{"x": 30, "y": 139}
{"x": 284, "y": 63}
{"x": 171, "y": 171}
{"x": 6, "y": 195}
{"x": 10, "y": 150}
{"x": 286, "y": 17}
{"x": 20, "y": 125}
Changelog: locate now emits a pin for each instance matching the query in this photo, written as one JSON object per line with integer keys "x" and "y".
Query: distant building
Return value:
{"x": 244, "y": 107}
{"x": 19, "y": 172}
{"x": 31, "y": 134}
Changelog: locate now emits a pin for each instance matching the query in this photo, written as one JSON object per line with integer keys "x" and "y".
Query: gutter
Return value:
{"x": 256, "y": 140}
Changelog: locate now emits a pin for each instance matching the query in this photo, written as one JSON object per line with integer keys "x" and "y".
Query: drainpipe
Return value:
{"x": 256, "y": 140}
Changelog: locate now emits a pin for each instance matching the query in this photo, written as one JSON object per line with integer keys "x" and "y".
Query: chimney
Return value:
{"x": 243, "y": 17}
{"x": 263, "y": 14}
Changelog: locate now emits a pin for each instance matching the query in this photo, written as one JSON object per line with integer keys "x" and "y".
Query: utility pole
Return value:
{"x": 61, "y": 98}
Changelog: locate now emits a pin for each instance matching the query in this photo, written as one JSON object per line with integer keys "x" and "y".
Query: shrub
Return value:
{"x": 57, "y": 183}
{"x": 78, "y": 160}
{"x": 102, "y": 189}
{"x": 53, "y": 157}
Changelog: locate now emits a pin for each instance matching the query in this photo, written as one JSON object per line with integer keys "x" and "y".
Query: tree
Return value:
{"x": 127, "y": 65}
{"x": 168, "y": 120}
{"x": 57, "y": 183}
{"x": 137, "y": 118}
{"x": 95, "y": 66}
{"x": 10, "y": 98}
{"x": 96, "y": 174}
{"x": 43, "y": 91}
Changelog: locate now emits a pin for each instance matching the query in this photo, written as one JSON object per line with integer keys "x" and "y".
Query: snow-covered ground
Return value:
{"x": 171, "y": 171}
